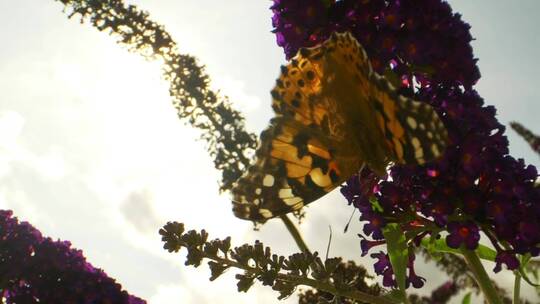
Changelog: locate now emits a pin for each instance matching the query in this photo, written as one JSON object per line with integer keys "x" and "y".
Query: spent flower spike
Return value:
{"x": 530, "y": 137}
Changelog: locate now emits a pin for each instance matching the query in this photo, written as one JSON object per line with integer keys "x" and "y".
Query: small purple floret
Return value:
{"x": 466, "y": 234}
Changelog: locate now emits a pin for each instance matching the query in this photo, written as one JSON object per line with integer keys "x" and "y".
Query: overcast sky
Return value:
{"x": 91, "y": 149}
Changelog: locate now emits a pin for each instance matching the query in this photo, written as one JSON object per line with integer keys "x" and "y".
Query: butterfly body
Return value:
{"x": 333, "y": 116}
{"x": 357, "y": 108}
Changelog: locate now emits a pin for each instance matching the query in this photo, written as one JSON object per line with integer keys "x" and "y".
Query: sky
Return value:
{"x": 92, "y": 151}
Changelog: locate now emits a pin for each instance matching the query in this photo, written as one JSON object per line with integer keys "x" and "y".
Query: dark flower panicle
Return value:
{"x": 441, "y": 295}
{"x": 293, "y": 21}
{"x": 422, "y": 33}
{"x": 37, "y": 269}
{"x": 476, "y": 185}
{"x": 444, "y": 292}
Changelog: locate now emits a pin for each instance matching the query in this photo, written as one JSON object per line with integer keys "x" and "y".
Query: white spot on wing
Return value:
{"x": 418, "y": 154}
{"x": 435, "y": 150}
{"x": 268, "y": 180}
{"x": 292, "y": 201}
{"x": 322, "y": 180}
{"x": 285, "y": 193}
{"x": 265, "y": 213}
{"x": 411, "y": 122}
{"x": 416, "y": 143}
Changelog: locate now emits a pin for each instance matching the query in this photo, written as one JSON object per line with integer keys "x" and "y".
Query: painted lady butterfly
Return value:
{"x": 333, "y": 115}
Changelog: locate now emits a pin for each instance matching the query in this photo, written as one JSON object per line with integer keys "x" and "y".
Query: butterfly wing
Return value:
{"x": 294, "y": 166}
{"x": 333, "y": 114}
{"x": 413, "y": 130}
{"x": 305, "y": 152}
{"x": 388, "y": 126}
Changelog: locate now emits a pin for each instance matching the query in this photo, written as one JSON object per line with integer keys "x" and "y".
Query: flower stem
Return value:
{"x": 293, "y": 230}
{"x": 517, "y": 287}
{"x": 481, "y": 277}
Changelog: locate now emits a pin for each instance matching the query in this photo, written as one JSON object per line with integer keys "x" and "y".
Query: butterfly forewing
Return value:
{"x": 294, "y": 166}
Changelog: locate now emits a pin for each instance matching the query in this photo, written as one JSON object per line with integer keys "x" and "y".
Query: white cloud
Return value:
{"x": 172, "y": 294}
{"x": 235, "y": 90}
{"x": 137, "y": 209}
{"x": 50, "y": 165}
{"x": 11, "y": 124}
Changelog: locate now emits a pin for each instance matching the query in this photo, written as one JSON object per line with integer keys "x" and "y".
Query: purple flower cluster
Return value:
{"x": 37, "y": 269}
{"x": 476, "y": 186}
{"x": 417, "y": 33}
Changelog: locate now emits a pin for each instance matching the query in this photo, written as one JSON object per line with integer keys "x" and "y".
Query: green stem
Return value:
{"x": 517, "y": 287}
{"x": 293, "y": 230}
{"x": 295, "y": 233}
{"x": 481, "y": 277}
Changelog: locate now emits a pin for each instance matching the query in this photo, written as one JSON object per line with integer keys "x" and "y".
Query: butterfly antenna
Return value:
{"x": 361, "y": 169}
{"x": 349, "y": 222}
{"x": 329, "y": 241}
{"x": 350, "y": 218}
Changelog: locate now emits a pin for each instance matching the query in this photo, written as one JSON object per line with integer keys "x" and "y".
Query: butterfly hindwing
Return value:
{"x": 411, "y": 128}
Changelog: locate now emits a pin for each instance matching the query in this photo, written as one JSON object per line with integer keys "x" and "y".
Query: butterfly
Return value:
{"x": 333, "y": 115}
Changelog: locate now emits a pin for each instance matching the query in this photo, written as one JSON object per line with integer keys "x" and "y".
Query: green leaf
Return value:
{"x": 525, "y": 270}
{"x": 439, "y": 245}
{"x": 398, "y": 253}
{"x": 375, "y": 205}
{"x": 522, "y": 271}
{"x": 486, "y": 253}
{"x": 466, "y": 299}
{"x": 394, "y": 295}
